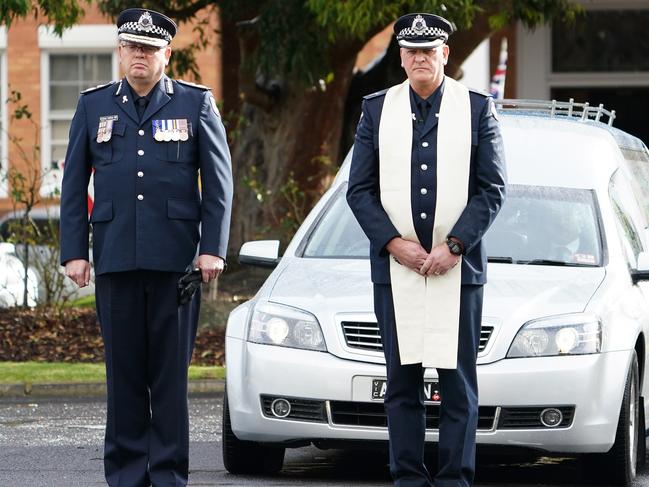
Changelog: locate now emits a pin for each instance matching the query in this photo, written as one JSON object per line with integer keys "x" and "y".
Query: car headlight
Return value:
{"x": 572, "y": 334}
{"x": 276, "y": 324}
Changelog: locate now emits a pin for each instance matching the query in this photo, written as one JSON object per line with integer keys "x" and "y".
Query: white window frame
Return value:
{"x": 535, "y": 78}
{"x": 4, "y": 116}
{"x": 80, "y": 39}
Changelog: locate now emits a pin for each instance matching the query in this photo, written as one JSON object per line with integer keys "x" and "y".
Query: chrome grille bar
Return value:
{"x": 370, "y": 338}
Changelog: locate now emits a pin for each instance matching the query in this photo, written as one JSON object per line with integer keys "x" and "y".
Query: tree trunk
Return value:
{"x": 285, "y": 155}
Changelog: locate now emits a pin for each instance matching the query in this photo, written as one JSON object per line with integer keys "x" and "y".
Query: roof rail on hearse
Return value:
{"x": 554, "y": 108}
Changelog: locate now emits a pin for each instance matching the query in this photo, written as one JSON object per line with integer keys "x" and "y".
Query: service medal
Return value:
{"x": 109, "y": 131}
{"x": 167, "y": 130}
{"x": 100, "y": 131}
{"x": 184, "y": 135}
{"x": 175, "y": 133}
{"x": 157, "y": 130}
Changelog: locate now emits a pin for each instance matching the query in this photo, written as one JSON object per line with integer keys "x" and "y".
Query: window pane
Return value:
{"x": 70, "y": 74}
{"x": 58, "y": 155}
{"x": 610, "y": 40}
{"x": 63, "y": 97}
{"x": 64, "y": 68}
{"x": 60, "y": 129}
{"x": 95, "y": 69}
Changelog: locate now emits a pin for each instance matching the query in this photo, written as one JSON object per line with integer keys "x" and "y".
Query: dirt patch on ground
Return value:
{"x": 73, "y": 335}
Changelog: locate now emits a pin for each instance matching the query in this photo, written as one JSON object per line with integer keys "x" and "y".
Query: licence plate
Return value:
{"x": 431, "y": 390}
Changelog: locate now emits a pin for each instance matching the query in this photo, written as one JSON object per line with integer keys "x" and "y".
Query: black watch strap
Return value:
{"x": 454, "y": 247}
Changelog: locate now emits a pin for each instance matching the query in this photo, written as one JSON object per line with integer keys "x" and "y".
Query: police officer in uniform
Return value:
{"x": 429, "y": 108}
{"x": 147, "y": 139}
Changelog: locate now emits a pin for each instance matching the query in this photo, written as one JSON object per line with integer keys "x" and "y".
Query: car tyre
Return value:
{"x": 247, "y": 457}
{"x": 619, "y": 465}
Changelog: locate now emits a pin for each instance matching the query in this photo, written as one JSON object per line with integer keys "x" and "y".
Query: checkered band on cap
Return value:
{"x": 136, "y": 27}
{"x": 429, "y": 32}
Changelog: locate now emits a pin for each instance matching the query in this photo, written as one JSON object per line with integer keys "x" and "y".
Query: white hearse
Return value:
{"x": 563, "y": 355}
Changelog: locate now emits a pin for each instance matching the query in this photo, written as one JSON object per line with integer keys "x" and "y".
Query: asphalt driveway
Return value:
{"x": 58, "y": 443}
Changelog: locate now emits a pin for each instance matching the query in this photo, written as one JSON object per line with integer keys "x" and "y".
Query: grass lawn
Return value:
{"x": 59, "y": 372}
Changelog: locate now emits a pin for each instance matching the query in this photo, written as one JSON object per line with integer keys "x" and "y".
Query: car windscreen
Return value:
{"x": 537, "y": 225}
{"x": 337, "y": 234}
{"x": 546, "y": 225}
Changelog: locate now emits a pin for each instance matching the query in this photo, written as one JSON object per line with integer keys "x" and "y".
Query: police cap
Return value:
{"x": 422, "y": 31}
{"x": 143, "y": 26}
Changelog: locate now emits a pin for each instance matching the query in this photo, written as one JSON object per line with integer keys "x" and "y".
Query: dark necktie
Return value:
{"x": 140, "y": 105}
{"x": 424, "y": 107}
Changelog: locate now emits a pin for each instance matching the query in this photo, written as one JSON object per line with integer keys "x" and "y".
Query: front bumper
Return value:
{"x": 592, "y": 384}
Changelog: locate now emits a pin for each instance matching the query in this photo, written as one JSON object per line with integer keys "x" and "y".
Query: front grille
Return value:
{"x": 301, "y": 409}
{"x": 529, "y": 417}
{"x": 373, "y": 414}
{"x": 366, "y": 336}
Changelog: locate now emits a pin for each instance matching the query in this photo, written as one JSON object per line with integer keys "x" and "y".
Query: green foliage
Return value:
{"x": 60, "y": 13}
{"x": 83, "y": 302}
{"x": 290, "y": 41}
{"x": 532, "y": 13}
{"x": 362, "y": 18}
{"x": 183, "y": 61}
{"x": 286, "y": 206}
{"x": 297, "y": 38}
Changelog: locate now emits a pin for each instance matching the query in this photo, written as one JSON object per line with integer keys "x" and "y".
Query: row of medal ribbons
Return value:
{"x": 168, "y": 130}
{"x": 105, "y": 129}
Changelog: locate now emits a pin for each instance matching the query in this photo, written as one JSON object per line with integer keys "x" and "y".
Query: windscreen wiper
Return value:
{"x": 554, "y": 262}
{"x": 543, "y": 262}
{"x": 500, "y": 260}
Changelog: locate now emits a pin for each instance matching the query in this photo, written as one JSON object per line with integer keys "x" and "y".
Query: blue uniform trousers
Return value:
{"x": 148, "y": 340}
{"x": 404, "y": 400}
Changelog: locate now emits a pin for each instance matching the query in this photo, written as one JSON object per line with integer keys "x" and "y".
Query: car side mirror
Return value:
{"x": 7, "y": 248}
{"x": 641, "y": 272}
{"x": 263, "y": 253}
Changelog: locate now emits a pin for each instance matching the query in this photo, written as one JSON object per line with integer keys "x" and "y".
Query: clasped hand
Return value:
{"x": 414, "y": 256}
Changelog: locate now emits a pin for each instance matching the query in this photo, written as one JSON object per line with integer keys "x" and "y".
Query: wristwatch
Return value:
{"x": 454, "y": 247}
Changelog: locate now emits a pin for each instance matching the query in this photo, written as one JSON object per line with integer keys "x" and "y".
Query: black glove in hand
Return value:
{"x": 188, "y": 284}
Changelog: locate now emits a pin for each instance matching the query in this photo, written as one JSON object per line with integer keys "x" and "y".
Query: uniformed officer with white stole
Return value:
{"x": 427, "y": 179}
{"x": 148, "y": 139}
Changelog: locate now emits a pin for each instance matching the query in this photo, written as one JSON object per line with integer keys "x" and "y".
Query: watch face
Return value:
{"x": 454, "y": 247}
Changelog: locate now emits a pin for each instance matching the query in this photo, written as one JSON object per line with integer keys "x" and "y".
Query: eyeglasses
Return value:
{"x": 134, "y": 48}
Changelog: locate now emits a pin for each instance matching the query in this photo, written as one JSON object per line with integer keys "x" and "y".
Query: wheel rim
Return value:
{"x": 633, "y": 429}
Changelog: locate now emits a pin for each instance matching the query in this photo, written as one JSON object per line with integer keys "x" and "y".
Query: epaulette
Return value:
{"x": 480, "y": 92}
{"x": 193, "y": 85}
{"x": 375, "y": 95}
{"x": 98, "y": 87}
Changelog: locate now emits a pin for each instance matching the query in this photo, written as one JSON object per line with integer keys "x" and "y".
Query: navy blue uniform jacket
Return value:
{"x": 148, "y": 210}
{"x": 486, "y": 184}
